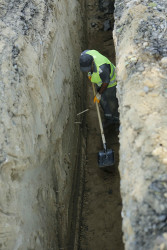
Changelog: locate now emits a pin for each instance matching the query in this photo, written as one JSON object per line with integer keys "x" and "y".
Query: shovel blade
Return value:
{"x": 106, "y": 159}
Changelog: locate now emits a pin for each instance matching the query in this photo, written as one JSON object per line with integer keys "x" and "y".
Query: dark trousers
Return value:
{"x": 109, "y": 104}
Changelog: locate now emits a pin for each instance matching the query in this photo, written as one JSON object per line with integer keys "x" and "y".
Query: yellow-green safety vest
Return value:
{"x": 99, "y": 59}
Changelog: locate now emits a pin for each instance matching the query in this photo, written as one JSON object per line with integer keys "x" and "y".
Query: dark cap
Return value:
{"x": 85, "y": 62}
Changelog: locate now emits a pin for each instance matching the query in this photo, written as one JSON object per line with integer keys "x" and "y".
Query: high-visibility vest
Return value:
{"x": 99, "y": 59}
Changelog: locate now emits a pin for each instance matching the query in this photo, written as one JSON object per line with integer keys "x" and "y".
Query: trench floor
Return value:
{"x": 101, "y": 212}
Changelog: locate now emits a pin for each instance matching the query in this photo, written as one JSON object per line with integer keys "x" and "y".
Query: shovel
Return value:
{"x": 105, "y": 157}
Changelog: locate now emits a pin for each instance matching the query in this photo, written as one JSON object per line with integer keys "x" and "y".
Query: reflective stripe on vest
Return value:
{"x": 111, "y": 83}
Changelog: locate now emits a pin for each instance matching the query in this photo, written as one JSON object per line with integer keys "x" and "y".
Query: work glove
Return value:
{"x": 97, "y": 98}
{"x": 89, "y": 76}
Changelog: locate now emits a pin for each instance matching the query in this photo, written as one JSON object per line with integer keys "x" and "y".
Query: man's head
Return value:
{"x": 85, "y": 62}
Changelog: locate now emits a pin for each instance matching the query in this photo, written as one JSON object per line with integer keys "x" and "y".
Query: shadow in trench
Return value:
{"x": 101, "y": 223}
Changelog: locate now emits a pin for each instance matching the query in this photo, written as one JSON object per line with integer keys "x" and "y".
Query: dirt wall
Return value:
{"x": 40, "y": 94}
{"x": 141, "y": 58}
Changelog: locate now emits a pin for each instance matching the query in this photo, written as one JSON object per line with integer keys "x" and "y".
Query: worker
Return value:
{"x": 102, "y": 72}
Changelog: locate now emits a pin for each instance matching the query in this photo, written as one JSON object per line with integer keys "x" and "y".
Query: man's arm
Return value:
{"x": 103, "y": 88}
{"x": 104, "y": 71}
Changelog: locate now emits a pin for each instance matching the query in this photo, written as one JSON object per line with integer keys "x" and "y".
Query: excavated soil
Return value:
{"x": 101, "y": 212}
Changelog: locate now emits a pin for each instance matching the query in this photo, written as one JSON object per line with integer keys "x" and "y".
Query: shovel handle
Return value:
{"x": 100, "y": 122}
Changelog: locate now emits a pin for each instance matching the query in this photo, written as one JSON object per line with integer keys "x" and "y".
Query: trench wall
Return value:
{"x": 141, "y": 57}
{"x": 40, "y": 94}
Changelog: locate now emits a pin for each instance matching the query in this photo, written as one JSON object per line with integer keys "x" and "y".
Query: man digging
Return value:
{"x": 102, "y": 72}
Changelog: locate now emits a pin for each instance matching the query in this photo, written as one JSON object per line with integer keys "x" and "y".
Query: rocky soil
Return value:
{"x": 141, "y": 57}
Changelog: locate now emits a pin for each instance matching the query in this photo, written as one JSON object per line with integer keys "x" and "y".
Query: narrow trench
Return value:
{"x": 101, "y": 211}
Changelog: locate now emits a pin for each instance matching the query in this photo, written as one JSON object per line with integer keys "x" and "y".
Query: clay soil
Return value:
{"x": 101, "y": 213}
